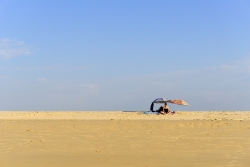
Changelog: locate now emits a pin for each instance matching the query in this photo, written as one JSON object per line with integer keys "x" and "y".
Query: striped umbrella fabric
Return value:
{"x": 178, "y": 102}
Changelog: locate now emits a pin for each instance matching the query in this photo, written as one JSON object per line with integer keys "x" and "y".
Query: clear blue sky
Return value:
{"x": 121, "y": 55}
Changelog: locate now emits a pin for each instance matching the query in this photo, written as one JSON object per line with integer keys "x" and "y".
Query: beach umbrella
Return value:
{"x": 164, "y": 100}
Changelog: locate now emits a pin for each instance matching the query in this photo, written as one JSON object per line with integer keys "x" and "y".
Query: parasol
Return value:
{"x": 164, "y": 100}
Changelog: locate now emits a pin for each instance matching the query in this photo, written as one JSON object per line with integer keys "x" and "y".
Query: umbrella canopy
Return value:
{"x": 179, "y": 102}
{"x": 164, "y": 100}
{"x": 160, "y": 100}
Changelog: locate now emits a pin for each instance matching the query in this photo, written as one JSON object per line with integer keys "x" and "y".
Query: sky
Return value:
{"x": 121, "y": 55}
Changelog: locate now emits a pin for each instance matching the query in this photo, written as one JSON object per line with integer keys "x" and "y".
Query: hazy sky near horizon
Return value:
{"x": 121, "y": 55}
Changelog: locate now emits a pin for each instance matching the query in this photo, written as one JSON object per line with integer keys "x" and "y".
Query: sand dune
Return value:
{"x": 63, "y": 139}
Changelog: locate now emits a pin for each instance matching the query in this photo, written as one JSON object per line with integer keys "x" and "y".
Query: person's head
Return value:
{"x": 166, "y": 104}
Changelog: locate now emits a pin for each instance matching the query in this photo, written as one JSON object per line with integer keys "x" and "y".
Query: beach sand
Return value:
{"x": 126, "y": 139}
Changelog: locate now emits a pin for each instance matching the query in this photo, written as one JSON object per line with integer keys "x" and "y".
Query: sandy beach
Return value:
{"x": 74, "y": 138}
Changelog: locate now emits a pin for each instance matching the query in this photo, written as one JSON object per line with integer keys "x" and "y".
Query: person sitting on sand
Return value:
{"x": 164, "y": 110}
{"x": 160, "y": 110}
